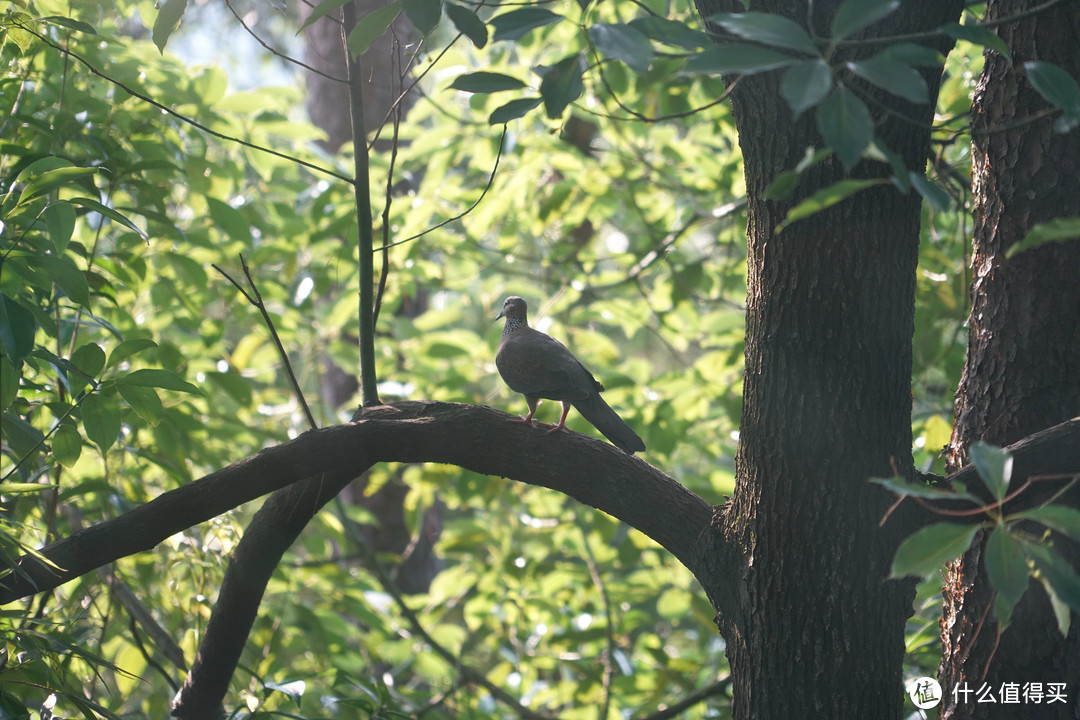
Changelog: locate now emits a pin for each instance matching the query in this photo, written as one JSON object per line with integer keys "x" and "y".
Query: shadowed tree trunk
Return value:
{"x": 1023, "y": 366}
{"x": 826, "y": 405}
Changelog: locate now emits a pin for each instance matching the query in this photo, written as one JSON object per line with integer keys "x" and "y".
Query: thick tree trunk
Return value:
{"x": 826, "y": 405}
{"x": 1023, "y": 366}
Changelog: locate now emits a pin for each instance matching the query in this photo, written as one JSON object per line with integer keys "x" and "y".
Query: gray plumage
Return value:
{"x": 540, "y": 367}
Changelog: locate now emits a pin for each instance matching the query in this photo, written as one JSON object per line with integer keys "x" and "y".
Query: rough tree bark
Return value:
{"x": 1022, "y": 372}
{"x": 826, "y": 405}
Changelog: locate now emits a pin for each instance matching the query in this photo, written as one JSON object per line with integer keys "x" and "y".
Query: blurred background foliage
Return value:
{"x": 130, "y": 366}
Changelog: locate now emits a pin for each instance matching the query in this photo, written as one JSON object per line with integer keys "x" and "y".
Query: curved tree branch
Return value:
{"x": 474, "y": 437}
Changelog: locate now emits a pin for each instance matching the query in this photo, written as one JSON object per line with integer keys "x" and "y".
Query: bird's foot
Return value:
{"x": 559, "y": 426}
{"x": 527, "y": 420}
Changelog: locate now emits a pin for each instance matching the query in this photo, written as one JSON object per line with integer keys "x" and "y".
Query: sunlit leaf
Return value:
{"x": 371, "y": 27}
{"x": 994, "y": 466}
{"x": 825, "y": 198}
{"x": 166, "y": 22}
{"x": 1058, "y": 230}
{"x": 930, "y": 548}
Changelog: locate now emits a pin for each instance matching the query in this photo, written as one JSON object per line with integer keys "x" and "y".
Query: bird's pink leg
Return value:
{"x": 528, "y": 419}
{"x": 561, "y": 425}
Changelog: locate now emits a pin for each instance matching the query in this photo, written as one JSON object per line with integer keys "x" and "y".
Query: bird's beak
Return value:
{"x": 502, "y": 314}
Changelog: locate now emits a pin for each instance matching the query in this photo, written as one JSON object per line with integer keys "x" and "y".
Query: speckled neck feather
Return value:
{"x": 513, "y": 324}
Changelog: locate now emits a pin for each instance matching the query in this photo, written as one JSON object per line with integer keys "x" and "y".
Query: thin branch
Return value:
{"x": 673, "y": 711}
{"x": 384, "y": 272}
{"x": 639, "y": 117}
{"x": 609, "y": 630}
{"x": 278, "y": 53}
{"x": 491, "y": 179}
{"x": 255, "y": 298}
{"x": 182, "y": 118}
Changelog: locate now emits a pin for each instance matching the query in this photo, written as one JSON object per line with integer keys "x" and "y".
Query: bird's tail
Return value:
{"x": 608, "y": 422}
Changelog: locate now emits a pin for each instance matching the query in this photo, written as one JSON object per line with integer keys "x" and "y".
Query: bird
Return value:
{"x": 540, "y": 367}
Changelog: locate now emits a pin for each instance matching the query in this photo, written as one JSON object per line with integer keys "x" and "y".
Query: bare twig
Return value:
{"x": 278, "y": 53}
{"x": 673, "y": 711}
{"x": 255, "y": 298}
{"x": 609, "y": 630}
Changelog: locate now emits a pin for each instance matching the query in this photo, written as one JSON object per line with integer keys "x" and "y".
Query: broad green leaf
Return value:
{"x": 423, "y": 14}
{"x": 89, "y": 359}
{"x": 767, "y": 29}
{"x": 1057, "y": 571}
{"x": 893, "y": 77}
{"x": 1057, "y": 86}
{"x": 70, "y": 23}
{"x": 468, "y": 23}
{"x": 15, "y": 488}
{"x": 911, "y": 54}
{"x": 737, "y": 58}
{"x": 101, "y": 420}
{"x": 19, "y": 435}
{"x": 9, "y": 382}
{"x": 229, "y": 219}
{"x": 17, "y": 328}
{"x": 127, "y": 348}
{"x": 322, "y": 10}
{"x": 671, "y": 32}
{"x": 806, "y": 84}
{"x": 513, "y": 110}
{"x": 825, "y": 198}
{"x": 1007, "y": 570}
{"x": 1062, "y": 613}
{"x": 1059, "y": 230}
{"x": 931, "y": 547}
{"x": 51, "y": 179}
{"x": 66, "y": 444}
{"x": 107, "y": 212}
{"x": 845, "y": 123}
{"x": 853, "y": 15}
{"x": 155, "y": 377}
{"x": 994, "y": 466}
{"x": 785, "y": 182}
{"x": 515, "y": 24}
{"x": 1064, "y": 520}
{"x": 977, "y": 35}
{"x": 144, "y": 401}
{"x": 60, "y": 222}
{"x": 486, "y": 82}
{"x": 371, "y": 27}
{"x": 562, "y": 85}
{"x": 931, "y": 191}
{"x": 69, "y": 279}
{"x": 168, "y": 19}
{"x": 624, "y": 43}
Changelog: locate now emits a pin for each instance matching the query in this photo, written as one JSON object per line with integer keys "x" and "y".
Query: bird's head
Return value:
{"x": 514, "y": 308}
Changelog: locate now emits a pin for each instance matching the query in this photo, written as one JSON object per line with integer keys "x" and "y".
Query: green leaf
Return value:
{"x": 515, "y": 24}
{"x": 737, "y": 58}
{"x": 371, "y": 27}
{"x": 485, "y": 82}
{"x": 229, "y": 219}
{"x": 19, "y": 435}
{"x": 826, "y": 197}
{"x": 562, "y": 85}
{"x": 107, "y": 212}
{"x": 931, "y": 547}
{"x": 912, "y": 54}
{"x": 671, "y": 32}
{"x": 931, "y": 191}
{"x": 994, "y": 465}
{"x": 1059, "y": 230}
{"x": 853, "y": 15}
{"x": 127, "y": 348}
{"x": 70, "y": 23}
{"x": 322, "y": 10}
{"x": 50, "y": 179}
{"x": 513, "y": 110}
{"x": 1057, "y": 86}
{"x": 69, "y": 279}
{"x": 1007, "y": 570}
{"x": 806, "y": 84}
{"x": 624, "y": 43}
{"x": 9, "y": 382}
{"x": 1055, "y": 570}
{"x": 845, "y": 123}
{"x": 17, "y": 329}
{"x": 423, "y": 14}
{"x": 144, "y": 401}
{"x": 101, "y": 420}
{"x": 155, "y": 377}
{"x": 893, "y": 77}
{"x": 168, "y": 19}
{"x": 978, "y": 35}
{"x": 900, "y": 486}
{"x": 66, "y": 444}
{"x": 88, "y": 359}
{"x": 1059, "y": 518}
{"x": 60, "y": 222}
{"x": 767, "y": 29}
{"x": 468, "y": 23}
